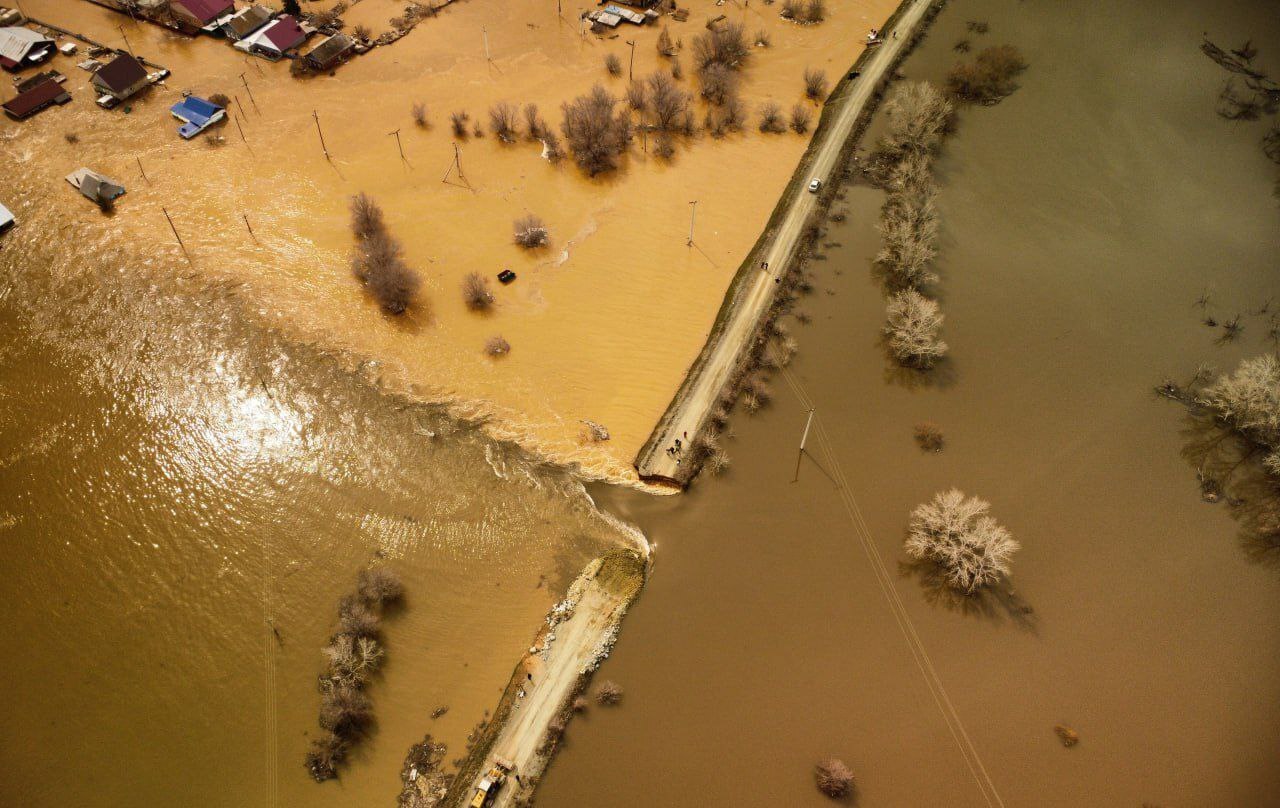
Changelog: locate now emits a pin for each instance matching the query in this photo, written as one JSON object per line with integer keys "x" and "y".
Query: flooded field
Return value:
{"x": 184, "y": 498}
{"x": 603, "y": 323}
{"x": 1083, "y": 217}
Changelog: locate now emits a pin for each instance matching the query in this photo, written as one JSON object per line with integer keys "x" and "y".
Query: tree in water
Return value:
{"x": 955, "y": 532}
{"x": 1248, "y": 401}
{"x": 913, "y": 323}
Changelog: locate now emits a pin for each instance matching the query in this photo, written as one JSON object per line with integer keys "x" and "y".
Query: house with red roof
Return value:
{"x": 274, "y": 39}
{"x": 192, "y": 15}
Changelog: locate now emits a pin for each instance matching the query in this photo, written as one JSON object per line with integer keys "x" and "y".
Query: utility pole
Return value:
{"x": 323, "y": 147}
{"x": 803, "y": 438}
{"x": 693, "y": 212}
{"x": 175, "y": 234}
{"x": 631, "y": 68}
{"x": 485, "y": 32}
{"x": 457, "y": 163}
{"x": 252, "y": 100}
{"x": 245, "y": 216}
{"x": 398, "y": 146}
{"x": 126, "y": 41}
{"x": 240, "y": 129}
{"x": 144, "y": 172}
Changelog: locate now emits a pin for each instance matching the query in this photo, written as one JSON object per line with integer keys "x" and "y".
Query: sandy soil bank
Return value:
{"x": 604, "y": 323}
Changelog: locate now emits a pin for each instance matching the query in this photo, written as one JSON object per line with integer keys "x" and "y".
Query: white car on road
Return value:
{"x": 815, "y": 185}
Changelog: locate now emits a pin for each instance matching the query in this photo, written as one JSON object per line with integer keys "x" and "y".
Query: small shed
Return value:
{"x": 95, "y": 187}
{"x": 330, "y": 52}
{"x": 121, "y": 78}
{"x": 196, "y": 115}
{"x": 6, "y": 219}
{"x": 45, "y": 94}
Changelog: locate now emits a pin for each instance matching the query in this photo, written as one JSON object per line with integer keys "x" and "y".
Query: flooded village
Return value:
{"x": 744, "y": 402}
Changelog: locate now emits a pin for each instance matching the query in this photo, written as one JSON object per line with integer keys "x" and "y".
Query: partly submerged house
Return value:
{"x": 274, "y": 39}
{"x": 196, "y": 115}
{"x": 192, "y": 15}
{"x": 245, "y": 21}
{"x": 95, "y": 187}
{"x": 121, "y": 78}
{"x": 330, "y": 52}
{"x": 44, "y": 94}
{"x": 22, "y": 47}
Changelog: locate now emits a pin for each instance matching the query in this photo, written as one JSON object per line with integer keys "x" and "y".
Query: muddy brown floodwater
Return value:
{"x": 184, "y": 498}
{"x": 1082, "y": 219}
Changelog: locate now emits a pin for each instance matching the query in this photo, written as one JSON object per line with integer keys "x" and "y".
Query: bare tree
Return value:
{"x": 221, "y": 100}
{"x": 664, "y": 146}
{"x": 534, "y": 126}
{"x": 1248, "y": 402}
{"x": 955, "y": 532}
{"x": 792, "y": 10}
{"x": 380, "y": 265}
{"x": 637, "y": 96}
{"x": 366, "y": 216}
{"x": 725, "y": 45}
{"x": 609, "y": 693}
{"x": 815, "y": 83}
{"x": 551, "y": 145}
{"x": 596, "y": 137}
{"x": 834, "y": 778}
{"x": 504, "y": 120}
{"x": 677, "y": 71}
{"x": 815, "y": 11}
{"x": 531, "y": 231}
{"x": 420, "y": 115}
{"x": 771, "y": 118}
{"x": 913, "y": 323}
{"x": 801, "y": 118}
{"x": 718, "y": 83}
{"x": 928, "y": 436}
{"x": 989, "y": 78}
{"x": 613, "y": 64}
{"x": 497, "y": 346}
{"x": 666, "y": 47}
{"x": 919, "y": 117}
{"x": 458, "y": 120}
{"x": 379, "y": 586}
{"x": 909, "y": 228}
{"x": 667, "y": 102}
{"x": 475, "y": 292}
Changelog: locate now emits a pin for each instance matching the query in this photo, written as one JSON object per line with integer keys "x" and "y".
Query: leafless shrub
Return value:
{"x": 345, "y": 710}
{"x": 637, "y": 96}
{"x": 961, "y": 46}
{"x": 220, "y": 99}
{"x": 756, "y": 393}
{"x": 325, "y": 756}
{"x": 666, "y": 47}
{"x": 609, "y": 693}
{"x": 504, "y": 121}
{"x": 763, "y": 40}
{"x": 677, "y": 70}
{"x": 379, "y": 587}
{"x": 420, "y": 115}
{"x": 734, "y": 113}
{"x": 955, "y": 532}
{"x": 792, "y": 9}
{"x": 771, "y": 118}
{"x": 477, "y": 130}
{"x": 362, "y": 33}
{"x": 366, "y": 216}
{"x": 380, "y": 265}
{"x": 668, "y": 103}
{"x": 71, "y": 137}
{"x": 531, "y": 232}
{"x": 801, "y": 118}
{"x": 664, "y": 146}
{"x": 725, "y": 45}
{"x": 475, "y": 292}
{"x": 497, "y": 346}
{"x": 913, "y": 323}
{"x": 458, "y": 121}
{"x": 928, "y": 436}
{"x": 613, "y": 64}
{"x": 534, "y": 126}
{"x": 718, "y": 83}
{"x": 580, "y": 704}
{"x": 815, "y": 83}
{"x": 977, "y": 26}
{"x": 815, "y": 11}
{"x": 596, "y": 137}
{"x": 989, "y": 78}
{"x": 834, "y": 778}
{"x": 357, "y": 619}
{"x": 551, "y": 143}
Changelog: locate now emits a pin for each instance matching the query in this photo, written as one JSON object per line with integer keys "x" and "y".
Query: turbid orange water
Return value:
{"x": 603, "y": 322}
{"x": 1083, "y": 217}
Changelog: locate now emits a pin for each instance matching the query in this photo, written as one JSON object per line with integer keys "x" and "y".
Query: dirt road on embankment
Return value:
{"x": 752, "y": 294}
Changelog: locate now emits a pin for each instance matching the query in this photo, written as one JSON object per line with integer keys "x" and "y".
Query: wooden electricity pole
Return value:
{"x": 398, "y": 144}
{"x": 631, "y": 68}
{"x": 245, "y": 216}
{"x": 252, "y": 100}
{"x": 485, "y": 31}
{"x": 126, "y": 41}
{"x": 693, "y": 212}
{"x": 803, "y": 438}
{"x": 143, "y": 170}
{"x": 323, "y": 147}
{"x": 175, "y": 234}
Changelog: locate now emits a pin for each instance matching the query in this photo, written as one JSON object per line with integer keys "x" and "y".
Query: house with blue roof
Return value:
{"x": 196, "y": 115}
